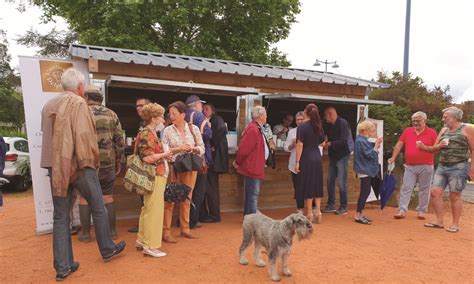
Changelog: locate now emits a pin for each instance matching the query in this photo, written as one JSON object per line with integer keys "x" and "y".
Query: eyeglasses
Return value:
{"x": 417, "y": 120}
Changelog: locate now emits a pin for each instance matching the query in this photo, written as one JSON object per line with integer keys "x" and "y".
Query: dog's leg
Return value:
{"x": 284, "y": 260}
{"x": 272, "y": 259}
{"x": 258, "y": 260}
{"x": 246, "y": 240}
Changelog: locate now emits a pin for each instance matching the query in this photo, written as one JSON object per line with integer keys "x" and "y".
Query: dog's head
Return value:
{"x": 301, "y": 226}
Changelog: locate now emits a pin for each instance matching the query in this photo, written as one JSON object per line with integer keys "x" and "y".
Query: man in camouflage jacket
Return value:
{"x": 111, "y": 146}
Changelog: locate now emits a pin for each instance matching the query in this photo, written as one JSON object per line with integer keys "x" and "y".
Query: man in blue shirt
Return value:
{"x": 195, "y": 116}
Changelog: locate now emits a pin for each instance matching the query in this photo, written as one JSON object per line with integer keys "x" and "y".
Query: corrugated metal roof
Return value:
{"x": 214, "y": 65}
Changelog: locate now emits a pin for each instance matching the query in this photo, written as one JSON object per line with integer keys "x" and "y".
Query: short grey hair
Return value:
{"x": 71, "y": 79}
{"x": 420, "y": 114}
{"x": 300, "y": 113}
{"x": 454, "y": 112}
{"x": 258, "y": 111}
{"x": 193, "y": 105}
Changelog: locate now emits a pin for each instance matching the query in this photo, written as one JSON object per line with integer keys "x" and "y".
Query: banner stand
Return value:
{"x": 40, "y": 82}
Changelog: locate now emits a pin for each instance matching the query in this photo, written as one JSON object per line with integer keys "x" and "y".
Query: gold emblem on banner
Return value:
{"x": 51, "y": 72}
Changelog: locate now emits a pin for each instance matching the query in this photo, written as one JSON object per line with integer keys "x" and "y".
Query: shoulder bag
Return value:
{"x": 189, "y": 161}
{"x": 140, "y": 176}
{"x": 271, "y": 161}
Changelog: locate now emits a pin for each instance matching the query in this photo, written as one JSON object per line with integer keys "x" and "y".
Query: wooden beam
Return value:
{"x": 268, "y": 84}
{"x": 93, "y": 65}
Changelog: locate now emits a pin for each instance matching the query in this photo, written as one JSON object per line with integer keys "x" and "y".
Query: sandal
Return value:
{"x": 399, "y": 216}
{"x": 434, "y": 226}
{"x": 452, "y": 229}
{"x": 363, "y": 221}
{"x": 367, "y": 218}
{"x": 139, "y": 245}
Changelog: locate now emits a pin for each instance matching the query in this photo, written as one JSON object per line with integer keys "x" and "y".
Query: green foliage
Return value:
{"x": 8, "y": 132}
{"x": 11, "y": 107}
{"x": 53, "y": 44}
{"x": 24, "y": 167}
{"x": 413, "y": 94}
{"x": 241, "y": 30}
{"x": 409, "y": 96}
{"x": 396, "y": 119}
{"x": 470, "y": 119}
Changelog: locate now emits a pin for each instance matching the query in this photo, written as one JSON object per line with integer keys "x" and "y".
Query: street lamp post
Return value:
{"x": 325, "y": 62}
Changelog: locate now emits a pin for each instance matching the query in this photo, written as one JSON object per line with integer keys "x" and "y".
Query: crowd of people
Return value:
{"x": 83, "y": 147}
{"x": 83, "y": 153}
{"x": 454, "y": 146}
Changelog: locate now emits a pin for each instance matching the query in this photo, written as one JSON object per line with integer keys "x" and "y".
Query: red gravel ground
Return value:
{"x": 341, "y": 251}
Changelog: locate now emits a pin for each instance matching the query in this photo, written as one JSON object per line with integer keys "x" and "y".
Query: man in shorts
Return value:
{"x": 455, "y": 144}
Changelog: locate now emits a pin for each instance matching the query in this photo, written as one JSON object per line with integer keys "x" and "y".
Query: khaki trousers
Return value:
{"x": 189, "y": 179}
{"x": 150, "y": 226}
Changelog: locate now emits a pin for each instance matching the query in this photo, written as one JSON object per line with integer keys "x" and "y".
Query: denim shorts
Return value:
{"x": 455, "y": 176}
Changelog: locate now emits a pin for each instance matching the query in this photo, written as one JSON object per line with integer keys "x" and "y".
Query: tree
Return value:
{"x": 53, "y": 44}
{"x": 409, "y": 96}
{"x": 11, "y": 107}
{"x": 241, "y": 30}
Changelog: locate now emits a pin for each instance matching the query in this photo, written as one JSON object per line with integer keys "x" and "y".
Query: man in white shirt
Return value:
{"x": 281, "y": 130}
{"x": 290, "y": 146}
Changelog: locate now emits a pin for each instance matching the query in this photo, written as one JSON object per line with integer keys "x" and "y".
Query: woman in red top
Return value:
{"x": 150, "y": 150}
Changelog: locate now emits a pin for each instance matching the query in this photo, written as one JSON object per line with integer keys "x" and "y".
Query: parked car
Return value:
{"x": 17, "y": 163}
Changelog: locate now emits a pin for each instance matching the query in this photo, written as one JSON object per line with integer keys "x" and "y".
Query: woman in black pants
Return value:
{"x": 366, "y": 165}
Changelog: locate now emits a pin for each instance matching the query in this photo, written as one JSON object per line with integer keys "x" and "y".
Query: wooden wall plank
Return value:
{"x": 276, "y": 190}
{"x": 267, "y": 84}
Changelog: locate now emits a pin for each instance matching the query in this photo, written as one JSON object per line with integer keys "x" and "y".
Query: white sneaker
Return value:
{"x": 153, "y": 252}
{"x": 139, "y": 245}
{"x": 299, "y": 211}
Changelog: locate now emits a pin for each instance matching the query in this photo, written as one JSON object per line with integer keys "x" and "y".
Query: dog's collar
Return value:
{"x": 286, "y": 241}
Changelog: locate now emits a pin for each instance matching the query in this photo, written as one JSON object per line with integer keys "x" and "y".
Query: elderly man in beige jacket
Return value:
{"x": 71, "y": 155}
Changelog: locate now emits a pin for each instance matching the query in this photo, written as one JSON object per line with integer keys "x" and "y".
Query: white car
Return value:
{"x": 17, "y": 163}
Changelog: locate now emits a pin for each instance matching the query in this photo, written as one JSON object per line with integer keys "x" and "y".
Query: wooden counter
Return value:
{"x": 276, "y": 190}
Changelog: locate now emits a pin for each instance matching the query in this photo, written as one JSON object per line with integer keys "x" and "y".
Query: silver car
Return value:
{"x": 17, "y": 163}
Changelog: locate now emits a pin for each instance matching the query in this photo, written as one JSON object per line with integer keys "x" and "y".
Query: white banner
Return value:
{"x": 40, "y": 82}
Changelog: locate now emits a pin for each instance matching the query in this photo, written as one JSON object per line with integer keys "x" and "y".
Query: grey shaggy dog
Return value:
{"x": 276, "y": 236}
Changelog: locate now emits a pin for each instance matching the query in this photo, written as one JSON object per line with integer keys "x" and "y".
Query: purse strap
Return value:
{"x": 135, "y": 148}
{"x": 190, "y": 125}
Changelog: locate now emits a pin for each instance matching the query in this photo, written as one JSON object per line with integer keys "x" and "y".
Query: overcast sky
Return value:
{"x": 364, "y": 36}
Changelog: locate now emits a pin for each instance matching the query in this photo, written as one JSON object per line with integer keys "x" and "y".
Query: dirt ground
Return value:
{"x": 389, "y": 251}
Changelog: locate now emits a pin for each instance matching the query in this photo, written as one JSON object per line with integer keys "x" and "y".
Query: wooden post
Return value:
{"x": 93, "y": 65}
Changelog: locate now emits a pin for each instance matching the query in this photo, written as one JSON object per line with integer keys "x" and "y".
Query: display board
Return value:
{"x": 40, "y": 82}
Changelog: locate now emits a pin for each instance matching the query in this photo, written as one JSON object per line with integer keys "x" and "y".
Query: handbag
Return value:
{"x": 140, "y": 176}
{"x": 176, "y": 192}
{"x": 270, "y": 161}
{"x": 189, "y": 161}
